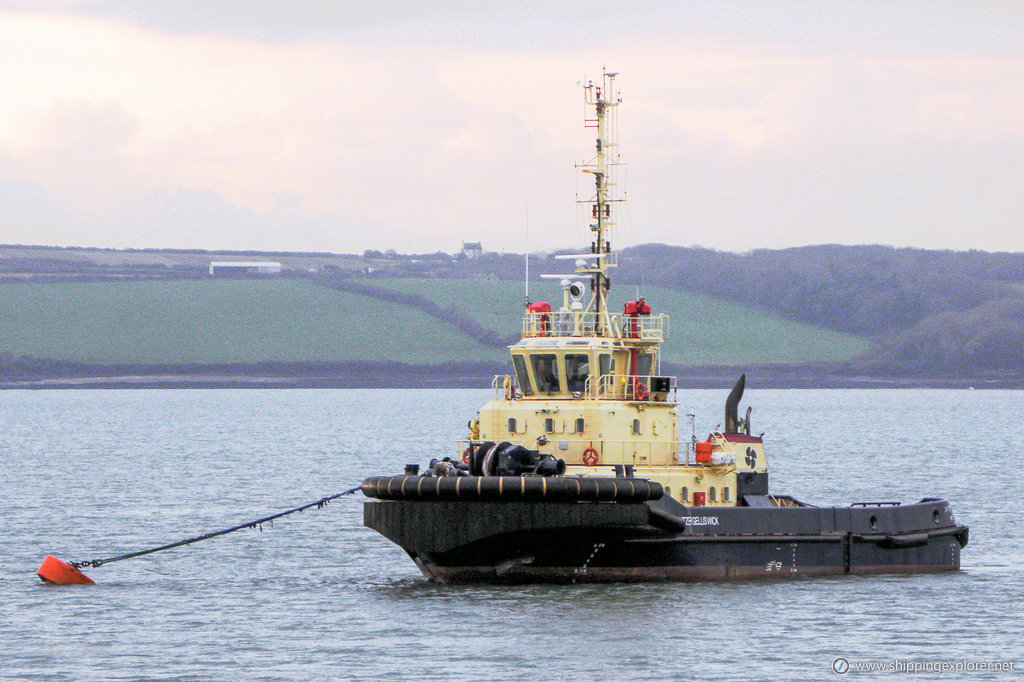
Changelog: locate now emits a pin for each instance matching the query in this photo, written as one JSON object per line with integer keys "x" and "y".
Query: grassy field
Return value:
{"x": 703, "y": 330}
{"x": 215, "y": 321}
{"x": 288, "y": 320}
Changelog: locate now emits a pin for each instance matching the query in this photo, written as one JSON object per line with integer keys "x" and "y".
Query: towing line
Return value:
{"x": 53, "y": 570}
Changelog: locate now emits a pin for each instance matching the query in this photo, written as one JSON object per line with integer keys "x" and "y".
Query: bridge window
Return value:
{"x": 644, "y": 364}
{"x": 524, "y": 379}
{"x": 545, "y": 368}
{"x": 577, "y": 369}
{"x": 607, "y": 365}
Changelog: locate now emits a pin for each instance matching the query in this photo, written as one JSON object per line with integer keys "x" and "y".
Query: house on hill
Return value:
{"x": 471, "y": 250}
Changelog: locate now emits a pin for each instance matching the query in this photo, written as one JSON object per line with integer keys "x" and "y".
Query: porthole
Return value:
{"x": 685, "y": 495}
{"x": 711, "y": 494}
{"x": 511, "y": 424}
{"x": 549, "y": 425}
{"x": 725, "y": 494}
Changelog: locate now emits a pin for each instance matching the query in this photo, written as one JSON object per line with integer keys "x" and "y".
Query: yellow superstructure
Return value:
{"x": 586, "y": 384}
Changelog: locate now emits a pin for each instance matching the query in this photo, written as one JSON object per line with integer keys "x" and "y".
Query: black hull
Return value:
{"x": 493, "y": 541}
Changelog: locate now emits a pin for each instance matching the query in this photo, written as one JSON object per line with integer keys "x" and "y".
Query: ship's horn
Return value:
{"x": 732, "y": 405}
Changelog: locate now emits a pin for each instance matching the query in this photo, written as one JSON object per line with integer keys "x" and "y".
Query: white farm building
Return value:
{"x": 239, "y": 268}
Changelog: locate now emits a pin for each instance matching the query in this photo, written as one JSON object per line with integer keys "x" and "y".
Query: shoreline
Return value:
{"x": 458, "y": 376}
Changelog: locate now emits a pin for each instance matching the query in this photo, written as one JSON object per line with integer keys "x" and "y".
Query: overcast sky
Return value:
{"x": 342, "y": 126}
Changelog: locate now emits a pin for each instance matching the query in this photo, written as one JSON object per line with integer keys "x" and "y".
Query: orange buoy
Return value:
{"x": 55, "y": 571}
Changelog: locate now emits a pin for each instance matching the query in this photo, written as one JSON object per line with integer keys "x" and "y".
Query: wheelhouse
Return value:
{"x": 590, "y": 369}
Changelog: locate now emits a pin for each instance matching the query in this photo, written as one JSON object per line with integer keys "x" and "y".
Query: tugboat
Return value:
{"x": 575, "y": 471}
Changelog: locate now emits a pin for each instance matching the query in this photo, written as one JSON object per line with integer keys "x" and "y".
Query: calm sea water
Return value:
{"x": 90, "y": 474}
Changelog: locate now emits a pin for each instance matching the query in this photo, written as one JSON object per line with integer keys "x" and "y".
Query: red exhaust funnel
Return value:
{"x": 55, "y": 571}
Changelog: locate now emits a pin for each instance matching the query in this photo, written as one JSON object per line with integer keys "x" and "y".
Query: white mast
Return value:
{"x": 604, "y": 97}
{"x": 526, "y": 255}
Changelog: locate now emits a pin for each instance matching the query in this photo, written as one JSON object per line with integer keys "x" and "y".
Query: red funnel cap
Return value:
{"x": 53, "y": 570}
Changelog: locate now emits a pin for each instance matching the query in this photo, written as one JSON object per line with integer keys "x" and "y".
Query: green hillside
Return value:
{"x": 215, "y": 321}
{"x": 291, "y": 320}
{"x": 703, "y": 330}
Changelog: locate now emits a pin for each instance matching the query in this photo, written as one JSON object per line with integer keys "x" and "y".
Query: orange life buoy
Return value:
{"x": 591, "y": 457}
{"x": 465, "y": 456}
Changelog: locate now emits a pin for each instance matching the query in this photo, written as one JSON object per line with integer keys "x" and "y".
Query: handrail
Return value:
{"x": 509, "y": 391}
{"x": 652, "y": 328}
{"x": 636, "y": 387}
{"x": 568, "y": 323}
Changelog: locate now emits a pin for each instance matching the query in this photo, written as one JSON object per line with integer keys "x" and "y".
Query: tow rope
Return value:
{"x": 53, "y": 570}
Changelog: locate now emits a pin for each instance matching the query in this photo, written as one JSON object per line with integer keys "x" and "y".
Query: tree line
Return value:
{"x": 928, "y": 311}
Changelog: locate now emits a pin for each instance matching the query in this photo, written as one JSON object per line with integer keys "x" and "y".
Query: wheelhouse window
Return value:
{"x": 577, "y": 369}
{"x": 644, "y": 364}
{"x": 545, "y": 369}
{"x": 605, "y": 363}
{"x": 524, "y": 378}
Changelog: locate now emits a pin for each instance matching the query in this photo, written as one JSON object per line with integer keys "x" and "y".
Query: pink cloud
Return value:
{"x": 732, "y": 142}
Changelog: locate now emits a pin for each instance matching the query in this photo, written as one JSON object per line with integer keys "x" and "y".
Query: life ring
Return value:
{"x": 591, "y": 457}
{"x": 465, "y": 456}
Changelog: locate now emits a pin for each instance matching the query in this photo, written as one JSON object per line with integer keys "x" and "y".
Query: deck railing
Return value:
{"x": 606, "y": 387}
{"x": 505, "y": 386}
{"x": 629, "y": 387}
{"x": 644, "y": 328}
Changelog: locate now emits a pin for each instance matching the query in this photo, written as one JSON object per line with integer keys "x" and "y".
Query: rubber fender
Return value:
{"x": 665, "y": 521}
{"x": 909, "y": 540}
{"x": 536, "y": 488}
{"x": 962, "y": 537}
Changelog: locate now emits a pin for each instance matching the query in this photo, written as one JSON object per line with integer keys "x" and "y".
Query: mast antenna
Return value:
{"x": 604, "y": 98}
{"x": 526, "y": 255}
